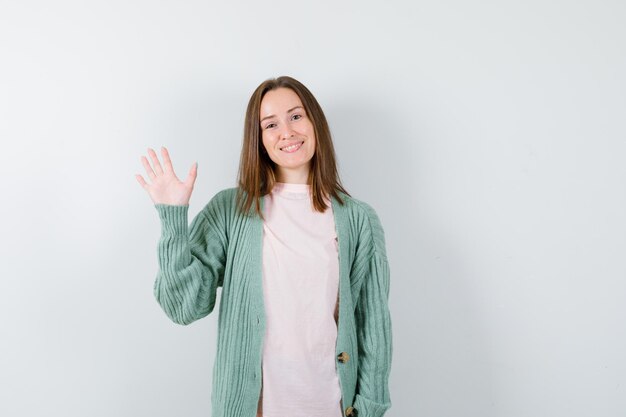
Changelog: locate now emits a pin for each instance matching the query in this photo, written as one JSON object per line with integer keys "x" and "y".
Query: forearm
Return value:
{"x": 191, "y": 264}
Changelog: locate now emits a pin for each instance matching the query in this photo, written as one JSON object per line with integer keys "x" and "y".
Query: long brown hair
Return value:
{"x": 256, "y": 176}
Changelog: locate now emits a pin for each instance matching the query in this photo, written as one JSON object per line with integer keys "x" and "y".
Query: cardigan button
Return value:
{"x": 351, "y": 411}
{"x": 343, "y": 357}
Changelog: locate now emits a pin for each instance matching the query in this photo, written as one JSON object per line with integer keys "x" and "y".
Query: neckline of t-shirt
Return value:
{"x": 292, "y": 190}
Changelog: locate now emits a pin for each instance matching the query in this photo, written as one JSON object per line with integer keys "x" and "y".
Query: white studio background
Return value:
{"x": 489, "y": 137}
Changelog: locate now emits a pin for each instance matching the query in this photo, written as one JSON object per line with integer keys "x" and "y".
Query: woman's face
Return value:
{"x": 284, "y": 122}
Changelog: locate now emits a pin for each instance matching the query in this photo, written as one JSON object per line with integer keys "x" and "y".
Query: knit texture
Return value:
{"x": 223, "y": 248}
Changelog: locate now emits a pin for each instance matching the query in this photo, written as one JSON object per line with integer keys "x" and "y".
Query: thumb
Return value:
{"x": 193, "y": 173}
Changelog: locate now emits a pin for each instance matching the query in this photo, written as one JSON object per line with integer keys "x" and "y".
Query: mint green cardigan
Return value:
{"x": 223, "y": 248}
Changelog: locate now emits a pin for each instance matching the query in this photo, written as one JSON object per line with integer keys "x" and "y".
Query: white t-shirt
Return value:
{"x": 300, "y": 288}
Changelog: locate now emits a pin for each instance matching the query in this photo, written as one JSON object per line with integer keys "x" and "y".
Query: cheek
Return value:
{"x": 269, "y": 146}
{"x": 265, "y": 142}
{"x": 312, "y": 137}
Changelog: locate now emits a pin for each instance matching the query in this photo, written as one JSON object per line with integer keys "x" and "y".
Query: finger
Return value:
{"x": 155, "y": 161}
{"x": 167, "y": 162}
{"x": 141, "y": 181}
{"x": 148, "y": 168}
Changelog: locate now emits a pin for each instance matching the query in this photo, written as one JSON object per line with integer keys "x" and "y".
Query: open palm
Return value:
{"x": 166, "y": 188}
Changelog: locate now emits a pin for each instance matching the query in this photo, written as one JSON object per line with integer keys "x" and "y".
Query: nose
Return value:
{"x": 286, "y": 131}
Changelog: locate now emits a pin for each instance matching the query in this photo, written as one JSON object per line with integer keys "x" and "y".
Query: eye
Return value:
{"x": 297, "y": 115}
{"x": 269, "y": 125}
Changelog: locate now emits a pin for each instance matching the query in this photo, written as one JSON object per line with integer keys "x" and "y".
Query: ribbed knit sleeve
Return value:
{"x": 373, "y": 321}
{"x": 191, "y": 262}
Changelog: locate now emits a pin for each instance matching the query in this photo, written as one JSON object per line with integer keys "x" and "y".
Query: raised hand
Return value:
{"x": 166, "y": 188}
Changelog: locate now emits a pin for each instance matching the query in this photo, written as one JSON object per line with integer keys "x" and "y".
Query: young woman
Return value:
{"x": 304, "y": 327}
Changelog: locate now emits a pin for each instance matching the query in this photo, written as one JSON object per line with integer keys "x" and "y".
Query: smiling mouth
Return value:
{"x": 292, "y": 148}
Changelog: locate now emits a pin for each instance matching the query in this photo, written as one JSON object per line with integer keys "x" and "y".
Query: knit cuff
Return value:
{"x": 173, "y": 218}
{"x": 368, "y": 408}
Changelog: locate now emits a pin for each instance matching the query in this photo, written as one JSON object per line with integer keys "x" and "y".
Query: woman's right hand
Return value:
{"x": 166, "y": 188}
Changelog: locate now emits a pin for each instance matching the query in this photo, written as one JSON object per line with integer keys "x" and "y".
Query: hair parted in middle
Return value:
{"x": 257, "y": 174}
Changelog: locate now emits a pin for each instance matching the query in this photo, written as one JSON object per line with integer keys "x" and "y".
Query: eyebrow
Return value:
{"x": 288, "y": 111}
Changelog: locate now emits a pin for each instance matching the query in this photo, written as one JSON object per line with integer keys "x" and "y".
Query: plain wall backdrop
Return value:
{"x": 489, "y": 137}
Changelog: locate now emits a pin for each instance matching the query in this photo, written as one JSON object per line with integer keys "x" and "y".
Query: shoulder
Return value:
{"x": 368, "y": 223}
{"x": 224, "y": 196}
{"x": 221, "y": 203}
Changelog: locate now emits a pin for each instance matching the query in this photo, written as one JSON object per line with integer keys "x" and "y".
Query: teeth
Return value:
{"x": 288, "y": 148}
